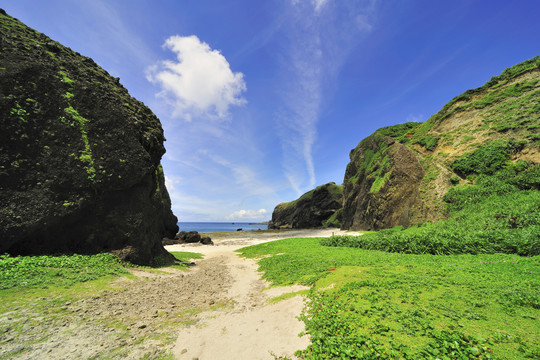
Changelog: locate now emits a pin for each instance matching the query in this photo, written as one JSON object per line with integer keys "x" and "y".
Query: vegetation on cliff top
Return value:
{"x": 333, "y": 189}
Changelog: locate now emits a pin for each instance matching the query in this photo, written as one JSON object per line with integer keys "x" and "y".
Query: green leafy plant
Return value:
{"x": 367, "y": 304}
{"x": 65, "y": 270}
{"x": 487, "y": 159}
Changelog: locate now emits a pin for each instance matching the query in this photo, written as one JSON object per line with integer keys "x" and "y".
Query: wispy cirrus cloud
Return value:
{"x": 200, "y": 82}
{"x": 321, "y": 34}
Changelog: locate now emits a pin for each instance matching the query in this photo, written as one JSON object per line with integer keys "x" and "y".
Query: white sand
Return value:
{"x": 253, "y": 329}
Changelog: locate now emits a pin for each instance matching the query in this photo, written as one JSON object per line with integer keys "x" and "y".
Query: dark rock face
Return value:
{"x": 383, "y": 186}
{"x": 311, "y": 210}
{"x": 79, "y": 157}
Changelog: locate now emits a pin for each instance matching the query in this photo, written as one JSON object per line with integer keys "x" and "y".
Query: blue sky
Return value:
{"x": 262, "y": 101}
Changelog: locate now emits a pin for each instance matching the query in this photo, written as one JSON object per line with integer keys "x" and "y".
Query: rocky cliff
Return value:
{"x": 316, "y": 208}
{"x": 79, "y": 157}
{"x": 399, "y": 175}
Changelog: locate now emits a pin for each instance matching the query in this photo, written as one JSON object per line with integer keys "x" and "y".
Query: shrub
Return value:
{"x": 486, "y": 159}
{"x": 497, "y": 214}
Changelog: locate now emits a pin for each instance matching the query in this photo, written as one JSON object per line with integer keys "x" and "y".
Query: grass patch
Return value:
{"x": 487, "y": 159}
{"x": 372, "y": 304}
{"x": 65, "y": 270}
{"x": 186, "y": 256}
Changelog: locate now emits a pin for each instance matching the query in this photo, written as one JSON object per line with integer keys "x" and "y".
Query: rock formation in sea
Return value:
{"x": 316, "y": 208}
{"x": 79, "y": 157}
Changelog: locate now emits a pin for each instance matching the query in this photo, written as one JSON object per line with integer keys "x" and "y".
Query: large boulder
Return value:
{"x": 314, "y": 209}
{"x": 79, "y": 157}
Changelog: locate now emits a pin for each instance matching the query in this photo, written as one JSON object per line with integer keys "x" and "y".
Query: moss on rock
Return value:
{"x": 79, "y": 157}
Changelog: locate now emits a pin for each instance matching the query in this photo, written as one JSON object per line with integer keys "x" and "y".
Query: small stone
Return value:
{"x": 183, "y": 351}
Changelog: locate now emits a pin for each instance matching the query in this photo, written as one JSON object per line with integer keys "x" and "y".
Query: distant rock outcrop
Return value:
{"x": 79, "y": 157}
{"x": 316, "y": 208}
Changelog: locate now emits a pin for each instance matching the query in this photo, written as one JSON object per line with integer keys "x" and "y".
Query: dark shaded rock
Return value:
{"x": 79, "y": 157}
{"x": 207, "y": 241}
{"x": 240, "y": 229}
{"x": 314, "y": 209}
{"x": 191, "y": 237}
{"x": 181, "y": 235}
{"x": 167, "y": 241}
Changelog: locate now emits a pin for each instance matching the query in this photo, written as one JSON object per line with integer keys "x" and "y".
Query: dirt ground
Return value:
{"x": 219, "y": 309}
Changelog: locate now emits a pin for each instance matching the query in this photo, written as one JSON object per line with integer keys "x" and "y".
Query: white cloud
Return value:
{"x": 363, "y": 22}
{"x": 199, "y": 82}
{"x": 317, "y": 4}
{"x": 415, "y": 118}
{"x": 248, "y": 215}
{"x": 171, "y": 182}
{"x": 318, "y": 46}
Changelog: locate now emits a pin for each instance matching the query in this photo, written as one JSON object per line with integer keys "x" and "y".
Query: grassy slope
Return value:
{"x": 498, "y": 213}
{"x": 505, "y": 107}
{"x": 390, "y": 305}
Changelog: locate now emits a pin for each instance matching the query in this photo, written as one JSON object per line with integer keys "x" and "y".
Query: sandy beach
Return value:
{"x": 253, "y": 328}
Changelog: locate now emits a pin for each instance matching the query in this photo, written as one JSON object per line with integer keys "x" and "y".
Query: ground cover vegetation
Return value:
{"x": 35, "y": 291}
{"x": 369, "y": 304}
{"x": 44, "y": 271}
{"x": 63, "y": 271}
{"x": 463, "y": 288}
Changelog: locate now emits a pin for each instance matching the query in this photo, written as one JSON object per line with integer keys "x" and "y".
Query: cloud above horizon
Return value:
{"x": 200, "y": 82}
{"x": 248, "y": 215}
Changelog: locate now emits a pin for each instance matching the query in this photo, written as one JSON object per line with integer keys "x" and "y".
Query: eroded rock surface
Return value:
{"x": 79, "y": 157}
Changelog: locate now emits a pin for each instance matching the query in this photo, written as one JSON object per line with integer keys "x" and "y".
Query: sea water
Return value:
{"x": 209, "y": 227}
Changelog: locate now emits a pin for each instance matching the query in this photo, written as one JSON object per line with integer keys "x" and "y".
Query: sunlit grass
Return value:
{"x": 374, "y": 304}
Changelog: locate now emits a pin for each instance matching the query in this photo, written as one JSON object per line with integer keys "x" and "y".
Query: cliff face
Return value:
{"x": 79, "y": 157}
{"x": 388, "y": 184}
{"x": 315, "y": 208}
{"x": 398, "y": 175}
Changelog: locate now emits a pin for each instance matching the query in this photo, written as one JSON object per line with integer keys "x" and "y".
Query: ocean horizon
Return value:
{"x": 210, "y": 227}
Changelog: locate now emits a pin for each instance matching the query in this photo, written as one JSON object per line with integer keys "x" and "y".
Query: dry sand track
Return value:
{"x": 218, "y": 310}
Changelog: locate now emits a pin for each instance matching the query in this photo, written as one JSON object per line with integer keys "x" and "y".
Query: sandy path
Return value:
{"x": 147, "y": 316}
{"x": 254, "y": 329}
